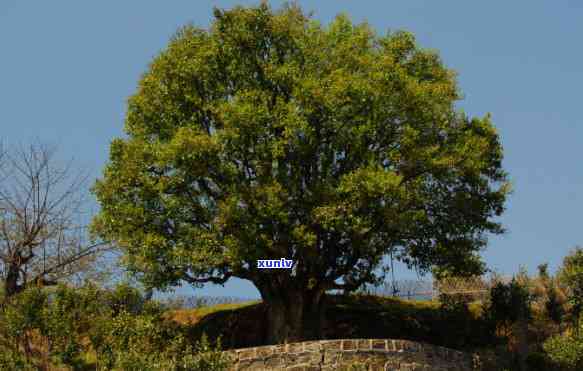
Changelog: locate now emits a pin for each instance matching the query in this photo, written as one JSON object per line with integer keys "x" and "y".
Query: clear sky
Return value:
{"x": 68, "y": 66}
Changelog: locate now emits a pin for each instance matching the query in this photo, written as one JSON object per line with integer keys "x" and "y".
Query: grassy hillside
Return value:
{"x": 242, "y": 325}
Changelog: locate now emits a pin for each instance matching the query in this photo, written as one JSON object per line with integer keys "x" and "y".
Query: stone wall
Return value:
{"x": 371, "y": 354}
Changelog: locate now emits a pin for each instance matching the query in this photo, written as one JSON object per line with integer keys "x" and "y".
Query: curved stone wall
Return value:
{"x": 370, "y": 354}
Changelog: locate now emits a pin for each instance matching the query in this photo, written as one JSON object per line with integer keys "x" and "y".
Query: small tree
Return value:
{"x": 553, "y": 306}
{"x": 510, "y": 307}
{"x": 571, "y": 274}
{"x": 41, "y": 238}
{"x": 548, "y": 295}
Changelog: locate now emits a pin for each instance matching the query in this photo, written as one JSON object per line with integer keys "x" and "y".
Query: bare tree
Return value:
{"x": 41, "y": 234}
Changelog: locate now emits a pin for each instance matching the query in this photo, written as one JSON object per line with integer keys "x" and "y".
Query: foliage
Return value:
{"x": 146, "y": 343}
{"x": 509, "y": 303}
{"x": 271, "y": 136}
{"x": 124, "y": 331}
{"x": 571, "y": 275}
{"x": 553, "y": 306}
{"x": 14, "y": 360}
{"x": 566, "y": 350}
{"x": 455, "y": 312}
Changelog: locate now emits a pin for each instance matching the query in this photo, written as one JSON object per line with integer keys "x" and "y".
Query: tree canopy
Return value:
{"x": 272, "y": 136}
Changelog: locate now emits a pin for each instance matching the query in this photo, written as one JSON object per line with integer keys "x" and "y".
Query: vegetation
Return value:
{"x": 271, "y": 136}
{"x": 89, "y": 328}
{"x": 41, "y": 239}
{"x": 571, "y": 274}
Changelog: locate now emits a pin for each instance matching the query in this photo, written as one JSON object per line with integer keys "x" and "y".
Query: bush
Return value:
{"x": 146, "y": 343}
{"x": 13, "y": 360}
{"x": 565, "y": 350}
{"x": 125, "y": 331}
{"x": 20, "y": 316}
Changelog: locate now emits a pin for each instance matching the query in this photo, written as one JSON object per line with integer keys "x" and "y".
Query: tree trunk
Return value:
{"x": 294, "y": 316}
{"x": 11, "y": 282}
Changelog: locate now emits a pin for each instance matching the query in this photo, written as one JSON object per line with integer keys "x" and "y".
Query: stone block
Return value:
{"x": 278, "y": 349}
{"x": 331, "y": 345}
{"x": 295, "y": 348}
{"x": 364, "y": 344}
{"x": 263, "y": 352}
{"x": 305, "y": 357}
{"x": 251, "y": 365}
{"x": 348, "y": 345}
{"x": 312, "y": 346}
{"x": 331, "y": 357}
{"x": 310, "y": 358}
{"x": 351, "y": 357}
{"x": 391, "y": 345}
{"x": 246, "y": 354}
{"x": 231, "y": 355}
{"x": 275, "y": 361}
{"x": 379, "y": 344}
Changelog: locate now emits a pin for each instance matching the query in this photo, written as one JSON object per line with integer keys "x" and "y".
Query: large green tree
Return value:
{"x": 271, "y": 136}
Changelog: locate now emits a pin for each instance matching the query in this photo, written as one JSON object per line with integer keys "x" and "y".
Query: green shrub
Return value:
{"x": 14, "y": 360}
{"x": 24, "y": 313}
{"x": 125, "y": 331}
{"x": 565, "y": 350}
{"x": 203, "y": 357}
{"x": 145, "y": 343}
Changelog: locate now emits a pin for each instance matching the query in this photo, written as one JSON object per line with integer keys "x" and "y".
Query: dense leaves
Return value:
{"x": 566, "y": 350}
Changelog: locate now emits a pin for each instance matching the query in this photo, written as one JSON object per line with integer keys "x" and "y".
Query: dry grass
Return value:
{"x": 192, "y": 316}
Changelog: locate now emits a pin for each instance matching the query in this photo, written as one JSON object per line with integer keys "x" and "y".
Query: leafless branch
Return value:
{"x": 41, "y": 237}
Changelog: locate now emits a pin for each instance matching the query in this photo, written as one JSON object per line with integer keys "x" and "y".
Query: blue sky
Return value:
{"x": 67, "y": 68}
